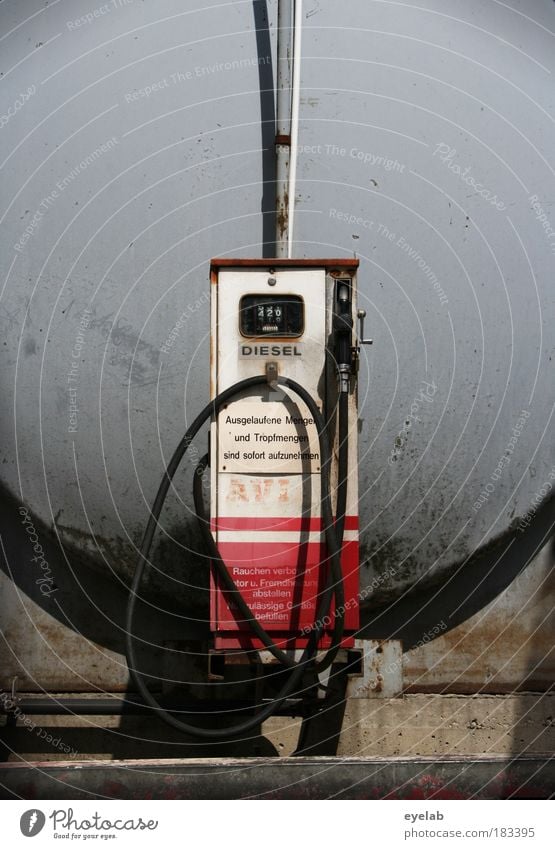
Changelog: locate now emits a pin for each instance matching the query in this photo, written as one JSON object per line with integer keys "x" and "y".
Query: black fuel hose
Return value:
{"x": 342, "y": 465}
{"x": 333, "y": 588}
{"x": 228, "y": 583}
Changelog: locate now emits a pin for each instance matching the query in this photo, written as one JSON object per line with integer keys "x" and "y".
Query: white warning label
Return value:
{"x": 274, "y": 439}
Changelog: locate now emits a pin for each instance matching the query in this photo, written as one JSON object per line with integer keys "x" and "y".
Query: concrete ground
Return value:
{"x": 409, "y": 725}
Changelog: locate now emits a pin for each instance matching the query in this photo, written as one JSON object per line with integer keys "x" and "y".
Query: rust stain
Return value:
{"x": 282, "y": 262}
{"x": 284, "y": 489}
{"x": 238, "y": 491}
{"x": 262, "y": 489}
{"x": 282, "y": 214}
{"x": 489, "y": 656}
{"x": 213, "y": 375}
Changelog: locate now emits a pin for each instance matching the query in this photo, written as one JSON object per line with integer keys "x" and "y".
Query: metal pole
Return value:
{"x": 283, "y": 124}
{"x": 295, "y": 101}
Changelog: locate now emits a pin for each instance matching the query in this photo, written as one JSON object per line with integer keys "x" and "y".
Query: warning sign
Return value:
{"x": 277, "y": 595}
{"x": 267, "y": 438}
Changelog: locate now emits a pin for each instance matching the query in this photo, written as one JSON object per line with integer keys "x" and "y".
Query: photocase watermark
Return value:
{"x": 447, "y": 155}
{"x": 366, "y": 591}
{"x": 18, "y": 104}
{"x": 541, "y": 216}
{"x": 73, "y": 373}
{"x": 94, "y": 826}
{"x": 32, "y": 822}
{"x": 425, "y": 396}
{"x": 95, "y": 14}
{"x": 415, "y": 256}
{"x": 49, "y": 200}
{"x": 126, "y": 349}
{"x": 196, "y": 73}
{"x": 64, "y": 820}
{"x": 363, "y": 156}
{"x": 547, "y": 487}
{"x": 9, "y": 704}
{"x": 503, "y": 461}
{"x": 175, "y": 332}
{"x": 349, "y": 218}
{"x": 382, "y": 230}
{"x": 46, "y": 581}
{"x": 431, "y": 634}
{"x": 376, "y": 582}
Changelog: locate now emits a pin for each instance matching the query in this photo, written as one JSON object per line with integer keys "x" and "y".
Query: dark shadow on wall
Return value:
{"x": 92, "y": 603}
{"x": 89, "y": 602}
{"x": 85, "y": 587}
{"x": 478, "y": 580}
{"x": 534, "y": 716}
{"x": 268, "y": 126}
{"x": 79, "y": 591}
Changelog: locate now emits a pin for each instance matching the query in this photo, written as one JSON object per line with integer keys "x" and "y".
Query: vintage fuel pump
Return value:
{"x": 282, "y": 529}
{"x": 276, "y": 321}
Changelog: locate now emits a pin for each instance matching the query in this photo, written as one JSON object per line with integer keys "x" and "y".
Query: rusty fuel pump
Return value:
{"x": 282, "y": 527}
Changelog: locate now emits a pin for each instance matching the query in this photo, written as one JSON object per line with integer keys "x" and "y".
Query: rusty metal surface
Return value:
{"x": 525, "y": 777}
{"x": 353, "y": 179}
{"x": 505, "y": 647}
{"x": 382, "y": 670}
{"x": 74, "y": 646}
{"x": 282, "y": 262}
{"x": 282, "y": 118}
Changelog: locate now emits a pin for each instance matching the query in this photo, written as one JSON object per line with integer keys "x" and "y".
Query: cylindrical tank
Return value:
{"x": 137, "y": 142}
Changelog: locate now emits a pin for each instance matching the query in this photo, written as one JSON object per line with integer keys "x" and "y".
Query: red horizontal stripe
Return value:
{"x": 246, "y": 642}
{"x": 270, "y": 554}
{"x": 275, "y": 523}
{"x": 274, "y": 554}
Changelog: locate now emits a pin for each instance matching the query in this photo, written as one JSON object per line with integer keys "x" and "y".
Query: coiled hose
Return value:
{"x": 333, "y": 535}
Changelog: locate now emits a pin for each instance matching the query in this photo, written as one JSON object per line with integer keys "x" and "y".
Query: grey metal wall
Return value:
{"x": 132, "y": 152}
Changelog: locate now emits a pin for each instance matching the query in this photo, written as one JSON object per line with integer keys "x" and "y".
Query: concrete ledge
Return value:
{"x": 491, "y": 777}
{"x": 433, "y": 725}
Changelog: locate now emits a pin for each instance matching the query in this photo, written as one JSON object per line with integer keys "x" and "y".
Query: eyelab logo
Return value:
{"x": 32, "y": 822}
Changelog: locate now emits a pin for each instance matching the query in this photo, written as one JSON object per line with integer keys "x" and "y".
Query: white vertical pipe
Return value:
{"x": 283, "y": 124}
{"x": 295, "y": 101}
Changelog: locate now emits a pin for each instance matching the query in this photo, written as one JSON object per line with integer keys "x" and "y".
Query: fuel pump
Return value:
{"x": 282, "y": 527}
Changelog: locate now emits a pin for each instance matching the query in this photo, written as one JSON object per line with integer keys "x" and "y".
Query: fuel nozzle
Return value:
{"x": 343, "y": 331}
